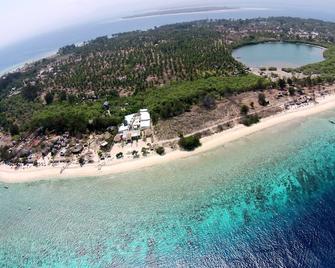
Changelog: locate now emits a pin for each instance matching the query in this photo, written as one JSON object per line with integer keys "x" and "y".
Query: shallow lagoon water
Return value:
{"x": 263, "y": 201}
{"x": 278, "y": 54}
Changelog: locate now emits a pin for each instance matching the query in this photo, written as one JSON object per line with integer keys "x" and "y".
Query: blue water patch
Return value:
{"x": 279, "y": 54}
{"x": 263, "y": 201}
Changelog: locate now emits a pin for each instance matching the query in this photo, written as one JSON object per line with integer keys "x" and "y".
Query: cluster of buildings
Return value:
{"x": 135, "y": 126}
{"x": 299, "y": 101}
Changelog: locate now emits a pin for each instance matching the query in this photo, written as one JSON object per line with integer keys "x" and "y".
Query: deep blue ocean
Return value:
{"x": 266, "y": 200}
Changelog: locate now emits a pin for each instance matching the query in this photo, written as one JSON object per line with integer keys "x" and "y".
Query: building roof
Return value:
{"x": 129, "y": 118}
{"x": 135, "y": 121}
{"x": 63, "y": 150}
{"x": 104, "y": 144}
{"x": 145, "y": 115}
{"x": 146, "y": 124}
{"x": 135, "y": 134}
{"x": 123, "y": 128}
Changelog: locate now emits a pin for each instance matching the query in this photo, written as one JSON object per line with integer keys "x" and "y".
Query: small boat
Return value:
{"x": 332, "y": 122}
{"x": 6, "y": 187}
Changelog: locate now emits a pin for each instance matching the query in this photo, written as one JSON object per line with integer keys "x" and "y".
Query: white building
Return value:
{"x": 134, "y": 124}
{"x": 145, "y": 119}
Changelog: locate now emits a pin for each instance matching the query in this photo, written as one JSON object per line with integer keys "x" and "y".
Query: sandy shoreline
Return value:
{"x": 10, "y": 175}
{"x": 135, "y": 17}
{"x": 21, "y": 65}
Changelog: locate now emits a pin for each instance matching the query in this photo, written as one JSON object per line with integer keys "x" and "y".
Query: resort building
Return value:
{"x": 134, "y": 126}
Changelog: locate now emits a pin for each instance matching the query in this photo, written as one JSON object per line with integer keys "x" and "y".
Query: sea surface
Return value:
{"x": 278, "y": 54}
{"x": 16, "y": 55}
{"x": 266, "y": 200}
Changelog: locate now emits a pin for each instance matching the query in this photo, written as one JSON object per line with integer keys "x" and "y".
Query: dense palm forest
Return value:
{"x": 166, "y": 69}
{"x": 133, "y": 62}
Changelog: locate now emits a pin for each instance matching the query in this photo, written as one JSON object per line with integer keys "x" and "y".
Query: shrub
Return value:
{"x": 144, "y": 151}
{"x": 190, "y": 143}
{"x": 5, "y": 154}
{"x": 81, "y": 161}
{"x": 62, "y": 96}
{"x": 14, "y": 129}
{"x": 30, "y": 92}
{"x": 281, "y": 83}
{"x": 160, "y": 150}
{"x": 287, "y": 70}
{"x": 262, "y": 99}
{"x": 49, "y": 97}
{"x": 208, "y": 102}
{"x": 272, "y": 69}
{"x": 291, "y": 90}
{"x": 244, "y": 109}
{"x": 250, "y": 120}
{"x": 119, "y": 155}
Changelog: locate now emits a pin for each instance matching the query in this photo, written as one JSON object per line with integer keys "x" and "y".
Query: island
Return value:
{"x": 179, "y": 11}
{"x": 144, "y": 97}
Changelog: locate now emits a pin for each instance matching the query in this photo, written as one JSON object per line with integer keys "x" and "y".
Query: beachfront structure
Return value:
{"x": 135, "y": 124}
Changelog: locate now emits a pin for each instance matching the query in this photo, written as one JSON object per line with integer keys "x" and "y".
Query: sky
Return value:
{"x": 22, "y": 19}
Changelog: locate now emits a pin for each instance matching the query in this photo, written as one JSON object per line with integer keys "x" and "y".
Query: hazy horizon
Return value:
{"x": 36, "y": 17}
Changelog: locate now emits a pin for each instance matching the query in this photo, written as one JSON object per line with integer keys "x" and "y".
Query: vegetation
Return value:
{"x": 160, "y": 150}
{"x": 75, "y": 119}
{"x": 5, "y": 154}
{"x": 208, "y": 101}
{"x": 167, "y": 102}
{"x": 262, "y": 99}
{"x": 132, "y": 62}
{"x": 81, "y": 161}
{"x": 291, "y": 91}
{"x": 325, "y": 68}
{"x": 167, "y": 70}
{"x": 14, "y": 129}
{"x": 49, "y": 97}
{"x": 119, "y": 155}
{"x": 249, "y": 120}
{"x": 30, "y": 92}
{"x": 287, "y": 70}
{"x": 144, "y": 151}
{"x": 282, "y": 84}
{"x": 244, "y": 109}
{"x": 272, "y": 69}
{"x": 189, "y": 143}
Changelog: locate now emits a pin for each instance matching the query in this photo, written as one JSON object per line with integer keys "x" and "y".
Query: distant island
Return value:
{"x": 179, "y": 11}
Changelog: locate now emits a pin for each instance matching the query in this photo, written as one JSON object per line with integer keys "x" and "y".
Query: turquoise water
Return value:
{"x": 278, "y": 54}
{"x": 263, "y": 201}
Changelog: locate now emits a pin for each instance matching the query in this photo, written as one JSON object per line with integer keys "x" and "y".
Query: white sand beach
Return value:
{"x": 11, "y": 175}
